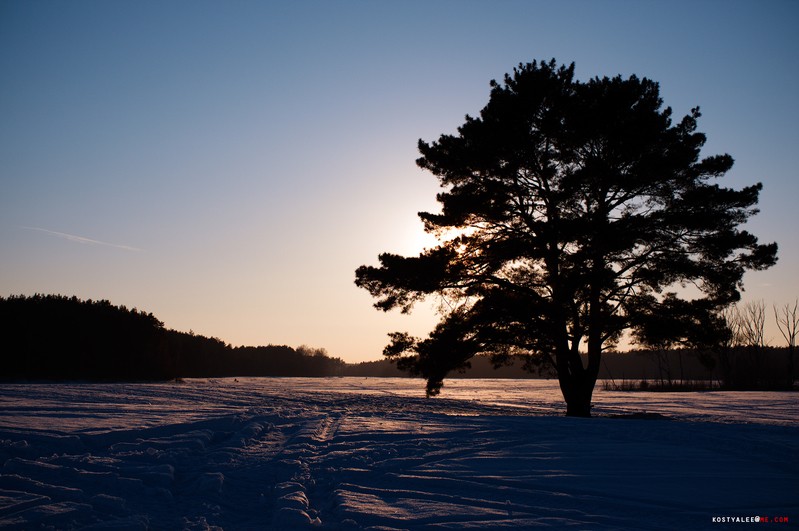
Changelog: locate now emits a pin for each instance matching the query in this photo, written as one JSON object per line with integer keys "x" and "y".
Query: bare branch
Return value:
{"x": 752, "y": 323}
{"x": 788, "y": 322}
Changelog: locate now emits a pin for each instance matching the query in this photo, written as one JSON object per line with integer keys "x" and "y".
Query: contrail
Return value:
{"x": 81, "y": 239}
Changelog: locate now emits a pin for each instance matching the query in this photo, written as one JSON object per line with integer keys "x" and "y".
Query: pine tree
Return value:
{"x": 571, "y": 212}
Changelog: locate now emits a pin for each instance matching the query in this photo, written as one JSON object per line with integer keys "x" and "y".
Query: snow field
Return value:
{"x": 372, "y": 454}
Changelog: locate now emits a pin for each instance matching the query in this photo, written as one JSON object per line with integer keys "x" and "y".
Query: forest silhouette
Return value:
{"x": 54, "y": 337}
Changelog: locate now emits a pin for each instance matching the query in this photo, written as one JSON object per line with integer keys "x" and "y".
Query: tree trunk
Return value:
{"x": 578, "y": 381}
{"x": 579, "y": 403}
{"x": 576, "y": 384}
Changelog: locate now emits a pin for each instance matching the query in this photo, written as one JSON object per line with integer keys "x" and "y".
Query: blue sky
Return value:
{"x": 228, "y": 165}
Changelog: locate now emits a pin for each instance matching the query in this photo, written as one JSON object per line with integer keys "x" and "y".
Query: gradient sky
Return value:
{"x": 228, "y": 165}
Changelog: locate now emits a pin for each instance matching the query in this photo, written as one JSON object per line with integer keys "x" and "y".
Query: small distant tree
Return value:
{"x": 788, "y": 323}
{"x": 728, "y": 342}
{"x": 731, "y": 317}
{"x": 571, "y": 212}
{"x": 752, "y": 325}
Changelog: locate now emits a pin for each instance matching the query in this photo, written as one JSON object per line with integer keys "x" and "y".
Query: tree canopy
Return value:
{"x": 571, "y": 212}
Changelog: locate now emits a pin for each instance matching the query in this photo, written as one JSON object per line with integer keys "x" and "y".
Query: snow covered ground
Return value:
{"x": 355, "y": 453}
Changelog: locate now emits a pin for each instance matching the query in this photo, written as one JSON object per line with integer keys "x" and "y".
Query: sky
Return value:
{"x": 228, "y": 165}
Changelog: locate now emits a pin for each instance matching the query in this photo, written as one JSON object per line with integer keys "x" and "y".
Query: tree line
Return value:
{"x": 677, "y": 369}
{"x": 53, "y": 337}
{"x": 741, "y": 358}
{"x": 745, "y": 359}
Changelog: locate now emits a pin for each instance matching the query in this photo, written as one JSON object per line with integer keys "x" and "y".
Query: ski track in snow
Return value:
{"x": 355, "y": 453}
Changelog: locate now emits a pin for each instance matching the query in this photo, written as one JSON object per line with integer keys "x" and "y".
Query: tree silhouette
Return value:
{"x": 788, "y": 324}
{"x": 570, "y": 213}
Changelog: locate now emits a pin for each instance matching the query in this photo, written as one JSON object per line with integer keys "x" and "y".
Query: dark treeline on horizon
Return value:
{"x": 52, "y": 337}
{"x": 739, "y": 368}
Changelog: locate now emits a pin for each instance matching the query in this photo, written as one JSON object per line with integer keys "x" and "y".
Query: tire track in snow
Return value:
{"x": 300, "y": 504}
